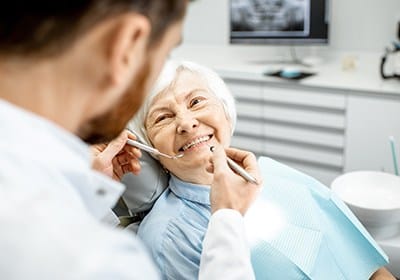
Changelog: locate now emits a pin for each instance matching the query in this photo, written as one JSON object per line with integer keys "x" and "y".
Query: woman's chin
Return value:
{"x": 195, "y": 159}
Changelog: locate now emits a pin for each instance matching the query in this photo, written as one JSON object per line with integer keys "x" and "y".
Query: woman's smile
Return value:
{"x": 196, "y": 143}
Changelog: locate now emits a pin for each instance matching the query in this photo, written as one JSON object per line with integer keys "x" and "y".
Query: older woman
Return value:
{"x": 191, "y": 110}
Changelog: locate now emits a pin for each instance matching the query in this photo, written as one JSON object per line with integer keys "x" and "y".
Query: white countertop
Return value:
{"x": 234, "y": 63}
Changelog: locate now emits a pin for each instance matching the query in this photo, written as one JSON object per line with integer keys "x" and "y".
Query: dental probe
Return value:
{"x": 238, "y": 169}
{"x": 151, "y": 150}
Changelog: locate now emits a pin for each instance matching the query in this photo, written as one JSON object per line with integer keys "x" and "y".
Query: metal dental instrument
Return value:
{"x": 238, "y": 169}
{"x": 151, "y": 150}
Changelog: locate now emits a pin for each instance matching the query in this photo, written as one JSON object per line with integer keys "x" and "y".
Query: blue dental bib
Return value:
{"x": 299, "y": 229}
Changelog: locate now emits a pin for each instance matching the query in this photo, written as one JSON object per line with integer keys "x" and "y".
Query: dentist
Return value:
{"x": 73, "y": 73}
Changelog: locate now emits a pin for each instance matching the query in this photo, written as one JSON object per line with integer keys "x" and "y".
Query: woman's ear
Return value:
{"x": 231, "y": 126}
{"x": 127, "y": 49}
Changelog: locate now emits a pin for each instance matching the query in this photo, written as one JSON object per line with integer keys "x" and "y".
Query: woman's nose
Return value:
{"x": 186, "y": 124}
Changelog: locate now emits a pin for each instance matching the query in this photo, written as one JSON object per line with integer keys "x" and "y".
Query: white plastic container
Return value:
{"x": 374, "y": 197}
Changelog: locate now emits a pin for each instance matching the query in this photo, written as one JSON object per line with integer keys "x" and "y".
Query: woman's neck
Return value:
{"x": 196, "y": 176}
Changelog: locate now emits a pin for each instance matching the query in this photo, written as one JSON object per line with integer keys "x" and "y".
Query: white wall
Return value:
{"x": 366, "y": 25}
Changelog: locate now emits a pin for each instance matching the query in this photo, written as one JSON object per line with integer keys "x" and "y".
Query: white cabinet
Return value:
{"x": 322, "y": 132}
{"x": 370, "y": 122}
{"x": 300, "y": 126}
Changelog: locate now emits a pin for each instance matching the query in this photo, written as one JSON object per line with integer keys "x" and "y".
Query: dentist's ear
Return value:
{"x": 127, "y": 47}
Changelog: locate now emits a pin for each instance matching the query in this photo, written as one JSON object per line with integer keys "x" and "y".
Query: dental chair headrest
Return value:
{"x": 143, "y": 190}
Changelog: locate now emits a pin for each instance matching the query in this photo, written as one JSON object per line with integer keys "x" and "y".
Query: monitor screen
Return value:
{"x": 279, "y": 21}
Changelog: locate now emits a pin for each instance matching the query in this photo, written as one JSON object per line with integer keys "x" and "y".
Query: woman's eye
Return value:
{"x": 195, "y": 101}
{"x": 161, "y": 118}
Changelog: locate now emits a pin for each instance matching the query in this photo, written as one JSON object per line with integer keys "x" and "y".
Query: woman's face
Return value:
{"x": 188, "y": 118}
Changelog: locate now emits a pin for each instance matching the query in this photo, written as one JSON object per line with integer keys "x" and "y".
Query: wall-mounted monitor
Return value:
{"x": 287, "y": 22}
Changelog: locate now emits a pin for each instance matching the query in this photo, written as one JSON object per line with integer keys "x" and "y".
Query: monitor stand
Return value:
{"x": 292, "y": 60}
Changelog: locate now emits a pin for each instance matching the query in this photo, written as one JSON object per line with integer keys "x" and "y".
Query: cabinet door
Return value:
{"x": 304, "y": 128}
{"x": 370, "y": 123}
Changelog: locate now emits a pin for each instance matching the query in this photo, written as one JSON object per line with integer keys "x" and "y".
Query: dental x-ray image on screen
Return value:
{"x": 277, "y": 17}
{"x": 279, "y": 21}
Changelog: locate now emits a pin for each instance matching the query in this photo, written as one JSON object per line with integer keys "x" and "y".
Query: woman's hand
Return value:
{"x": 229, "y": 190}
{"x": 117, "y": 158}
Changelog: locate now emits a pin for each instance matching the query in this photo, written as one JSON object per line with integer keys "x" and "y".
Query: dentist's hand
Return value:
{"x": 229, "y": 190}
{"x": 116, "y": 158}
{"x": 382, "y": 274}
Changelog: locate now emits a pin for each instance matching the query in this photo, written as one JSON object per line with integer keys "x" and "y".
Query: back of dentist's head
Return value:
{"x": 44, "y": 28}
{"x": 167, "y": 77}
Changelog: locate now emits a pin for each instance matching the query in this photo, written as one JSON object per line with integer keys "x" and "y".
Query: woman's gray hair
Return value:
{"x": 167, "y": 77}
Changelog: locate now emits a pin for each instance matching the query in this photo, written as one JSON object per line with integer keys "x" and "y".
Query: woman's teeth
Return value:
{"x": 195, "y": 142}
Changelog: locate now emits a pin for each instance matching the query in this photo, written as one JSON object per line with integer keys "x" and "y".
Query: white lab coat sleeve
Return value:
{"x": 226, "y": 254}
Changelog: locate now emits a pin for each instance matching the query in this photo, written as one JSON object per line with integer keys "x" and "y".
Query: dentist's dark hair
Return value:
{"x": 47, "y": 28}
